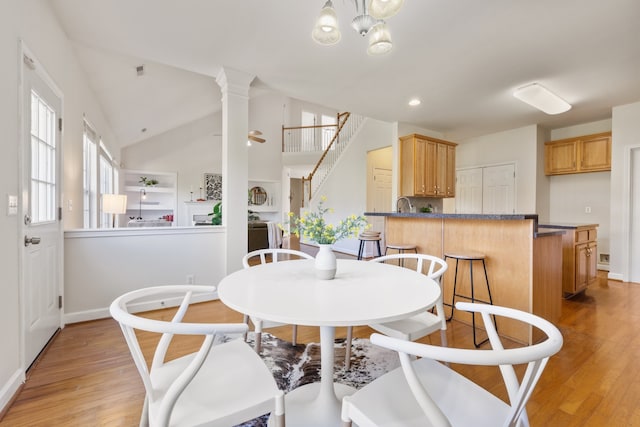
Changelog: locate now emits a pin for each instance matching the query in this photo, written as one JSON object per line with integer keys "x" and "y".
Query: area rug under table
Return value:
{"x": 293, "y": 366}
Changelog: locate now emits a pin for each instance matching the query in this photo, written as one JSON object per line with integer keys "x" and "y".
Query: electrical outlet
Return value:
{"x": 191, "y": 279}
{"x": 587, "y": 209}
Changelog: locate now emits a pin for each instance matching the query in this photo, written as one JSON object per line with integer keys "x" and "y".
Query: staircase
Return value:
{"x": 331, "y": 140}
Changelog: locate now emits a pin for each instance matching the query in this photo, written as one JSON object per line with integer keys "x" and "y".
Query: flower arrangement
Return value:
{"x": 312, "y": 225}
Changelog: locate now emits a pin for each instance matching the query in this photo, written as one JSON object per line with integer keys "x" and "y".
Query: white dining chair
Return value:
{"x": 421, "y": 324}
{"x": 425, "y": 392}
{"x": 223, "y": 383}
{"x": 264, "y": 256}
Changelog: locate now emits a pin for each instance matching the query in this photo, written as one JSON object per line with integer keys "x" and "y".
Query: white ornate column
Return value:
{"x": 235, "y": 170}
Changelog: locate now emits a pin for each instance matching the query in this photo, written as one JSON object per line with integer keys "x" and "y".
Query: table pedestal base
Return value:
{"x": 306, "y": 407}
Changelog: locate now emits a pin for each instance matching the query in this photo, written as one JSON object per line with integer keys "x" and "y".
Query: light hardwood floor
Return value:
{"x": 87, "y": 377}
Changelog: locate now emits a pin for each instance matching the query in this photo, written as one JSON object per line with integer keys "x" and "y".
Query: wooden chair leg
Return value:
{"x": 245, "y": 319}
{"x": 294, "y": 334}
{"x": 347, "y": 348}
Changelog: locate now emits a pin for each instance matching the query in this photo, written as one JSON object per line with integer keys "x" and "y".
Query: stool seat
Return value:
{"x": 466, "y": 255}
{"x": 369, "y": 236}
{"x": 401, "y": 247}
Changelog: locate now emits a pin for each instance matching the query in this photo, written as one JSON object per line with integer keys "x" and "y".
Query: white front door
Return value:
{"x": 41, "y": 237}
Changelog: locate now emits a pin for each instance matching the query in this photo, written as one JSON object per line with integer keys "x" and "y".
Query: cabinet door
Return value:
{"x": 450, "y": 188}
{"x": 586, "y": 265}
{"x": 560, "y": 157}
{"x": 420, "y": 171}
{"x": 595, "y": 154}
{"x": 592, "y": 263}
{"x": 431, "y": 169}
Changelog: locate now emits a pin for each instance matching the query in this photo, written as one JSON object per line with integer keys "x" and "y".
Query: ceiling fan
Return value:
{"x": 254, "y": 136}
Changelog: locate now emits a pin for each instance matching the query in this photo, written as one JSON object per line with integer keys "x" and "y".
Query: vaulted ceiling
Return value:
{"x": 462, "y": 58}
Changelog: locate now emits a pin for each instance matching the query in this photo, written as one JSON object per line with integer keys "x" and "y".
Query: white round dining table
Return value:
{"x": 361, "y": 293}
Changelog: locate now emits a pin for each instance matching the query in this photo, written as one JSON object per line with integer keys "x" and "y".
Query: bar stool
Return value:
{"x": 401, "y": 248}
{"x": 369, "y": 236}
{"x": 471, "y": 257}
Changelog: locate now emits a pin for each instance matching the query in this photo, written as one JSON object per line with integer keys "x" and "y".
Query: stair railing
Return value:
{"x": 331, "y": 140}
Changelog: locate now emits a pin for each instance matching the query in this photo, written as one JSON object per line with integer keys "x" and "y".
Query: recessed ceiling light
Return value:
{"x": 542, "y": 98}
{"x": 414, "y": 102}
{"x": 143, "y": 130}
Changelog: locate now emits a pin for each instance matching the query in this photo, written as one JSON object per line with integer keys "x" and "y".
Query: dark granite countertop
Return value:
{"x": 567, "y": 226}
{"x": 454, "y": 216}
{"x": 500, "y": 217}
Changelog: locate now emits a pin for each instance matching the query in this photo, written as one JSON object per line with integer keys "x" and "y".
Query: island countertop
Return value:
{"x": 454, "y": 215}
{"x": 524, "y": 266}
{"x": 498, "y": 217}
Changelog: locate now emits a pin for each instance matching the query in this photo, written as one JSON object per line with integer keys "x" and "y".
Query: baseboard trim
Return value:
{"x": 103, "y": 313}
{"x": 10, "y": 391}
{"x": 615, "y": 276}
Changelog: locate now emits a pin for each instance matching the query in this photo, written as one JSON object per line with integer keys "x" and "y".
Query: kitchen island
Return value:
{"x": 524, "y": 264}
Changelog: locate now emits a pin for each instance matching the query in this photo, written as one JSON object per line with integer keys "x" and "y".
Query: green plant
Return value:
{"x": 216, "y": 214}
{"x": 147, "y": 182}
{"x": 312, "y": 225}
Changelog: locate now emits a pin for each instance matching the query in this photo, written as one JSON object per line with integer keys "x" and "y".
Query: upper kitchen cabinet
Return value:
{"x": 590, "y": 153}
{"x": 427, "y": 167}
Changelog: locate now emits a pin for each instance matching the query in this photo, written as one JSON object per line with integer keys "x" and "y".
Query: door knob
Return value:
{"x": 31, "y": 240}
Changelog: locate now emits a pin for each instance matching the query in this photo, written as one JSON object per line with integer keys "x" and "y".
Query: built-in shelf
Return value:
{"x": 266, "y": 202}
{"x": 150, "y": 202}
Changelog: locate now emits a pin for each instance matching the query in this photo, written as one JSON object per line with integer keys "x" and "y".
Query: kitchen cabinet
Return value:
{"x": 427, "y": 167}
{"x": 151, "y": 200}
{"x": 590, "y": 153}
{"x": 579, "y": 257}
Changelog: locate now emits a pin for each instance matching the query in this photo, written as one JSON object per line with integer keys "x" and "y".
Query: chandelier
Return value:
{"x": 369, "y": 21}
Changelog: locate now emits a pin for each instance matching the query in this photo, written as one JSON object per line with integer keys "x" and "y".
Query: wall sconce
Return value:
{"x": 114, "y": 204}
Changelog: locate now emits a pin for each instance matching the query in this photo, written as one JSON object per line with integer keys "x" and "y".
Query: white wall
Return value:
{"x": 33, "y": 22}
{"x": 195, "y": 148}
{"x": 45, "y": 38}
{"x": 626, "y": 134}
{"x": 519, "y": 146}
{"x": 570, "y": 194}
{"x": 190, "y": 151}
{"x": 103, "y": 264}
{"x": 11, "y": 373}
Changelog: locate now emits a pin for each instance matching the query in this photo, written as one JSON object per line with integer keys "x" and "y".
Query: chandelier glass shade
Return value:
{"x": 326, "y": 30}
{"x": 380, "y": 39}
{"x": 368, "y": 21}
{"x": 383, "y": 9}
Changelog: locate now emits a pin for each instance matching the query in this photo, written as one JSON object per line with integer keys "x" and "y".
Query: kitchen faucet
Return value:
{"x": 408, "y": 203}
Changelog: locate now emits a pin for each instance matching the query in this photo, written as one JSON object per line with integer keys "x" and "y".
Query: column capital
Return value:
{"x": 234, "y": 81}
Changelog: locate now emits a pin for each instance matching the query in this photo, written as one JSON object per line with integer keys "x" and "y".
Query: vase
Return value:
{"x": 325, "y": 263}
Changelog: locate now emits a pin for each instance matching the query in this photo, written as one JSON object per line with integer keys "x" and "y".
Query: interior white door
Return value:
{"x": 498, "y": 189}
{"x": 41, "y": 258}
{"x": 469, "y": 191}
{"x": 634, "y": 218}
{"x": 380, "y": 203}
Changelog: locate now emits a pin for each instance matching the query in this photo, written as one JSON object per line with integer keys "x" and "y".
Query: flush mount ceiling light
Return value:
{"x": 369, "y": 21}
{"x": 414, "y": 102}
{"x": 542, "y": 98}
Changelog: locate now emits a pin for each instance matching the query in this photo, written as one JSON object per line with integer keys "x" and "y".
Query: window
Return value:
{"x": 100, "y": 177}
{"x": 90, "y": 175}
{"x": 43, "y": 161}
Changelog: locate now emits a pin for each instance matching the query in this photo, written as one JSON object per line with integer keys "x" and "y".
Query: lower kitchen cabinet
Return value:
{"x": 579, "y": 256}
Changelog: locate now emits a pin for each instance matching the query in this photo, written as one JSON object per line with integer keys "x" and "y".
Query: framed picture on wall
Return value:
{"x": 213, "y": 186}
